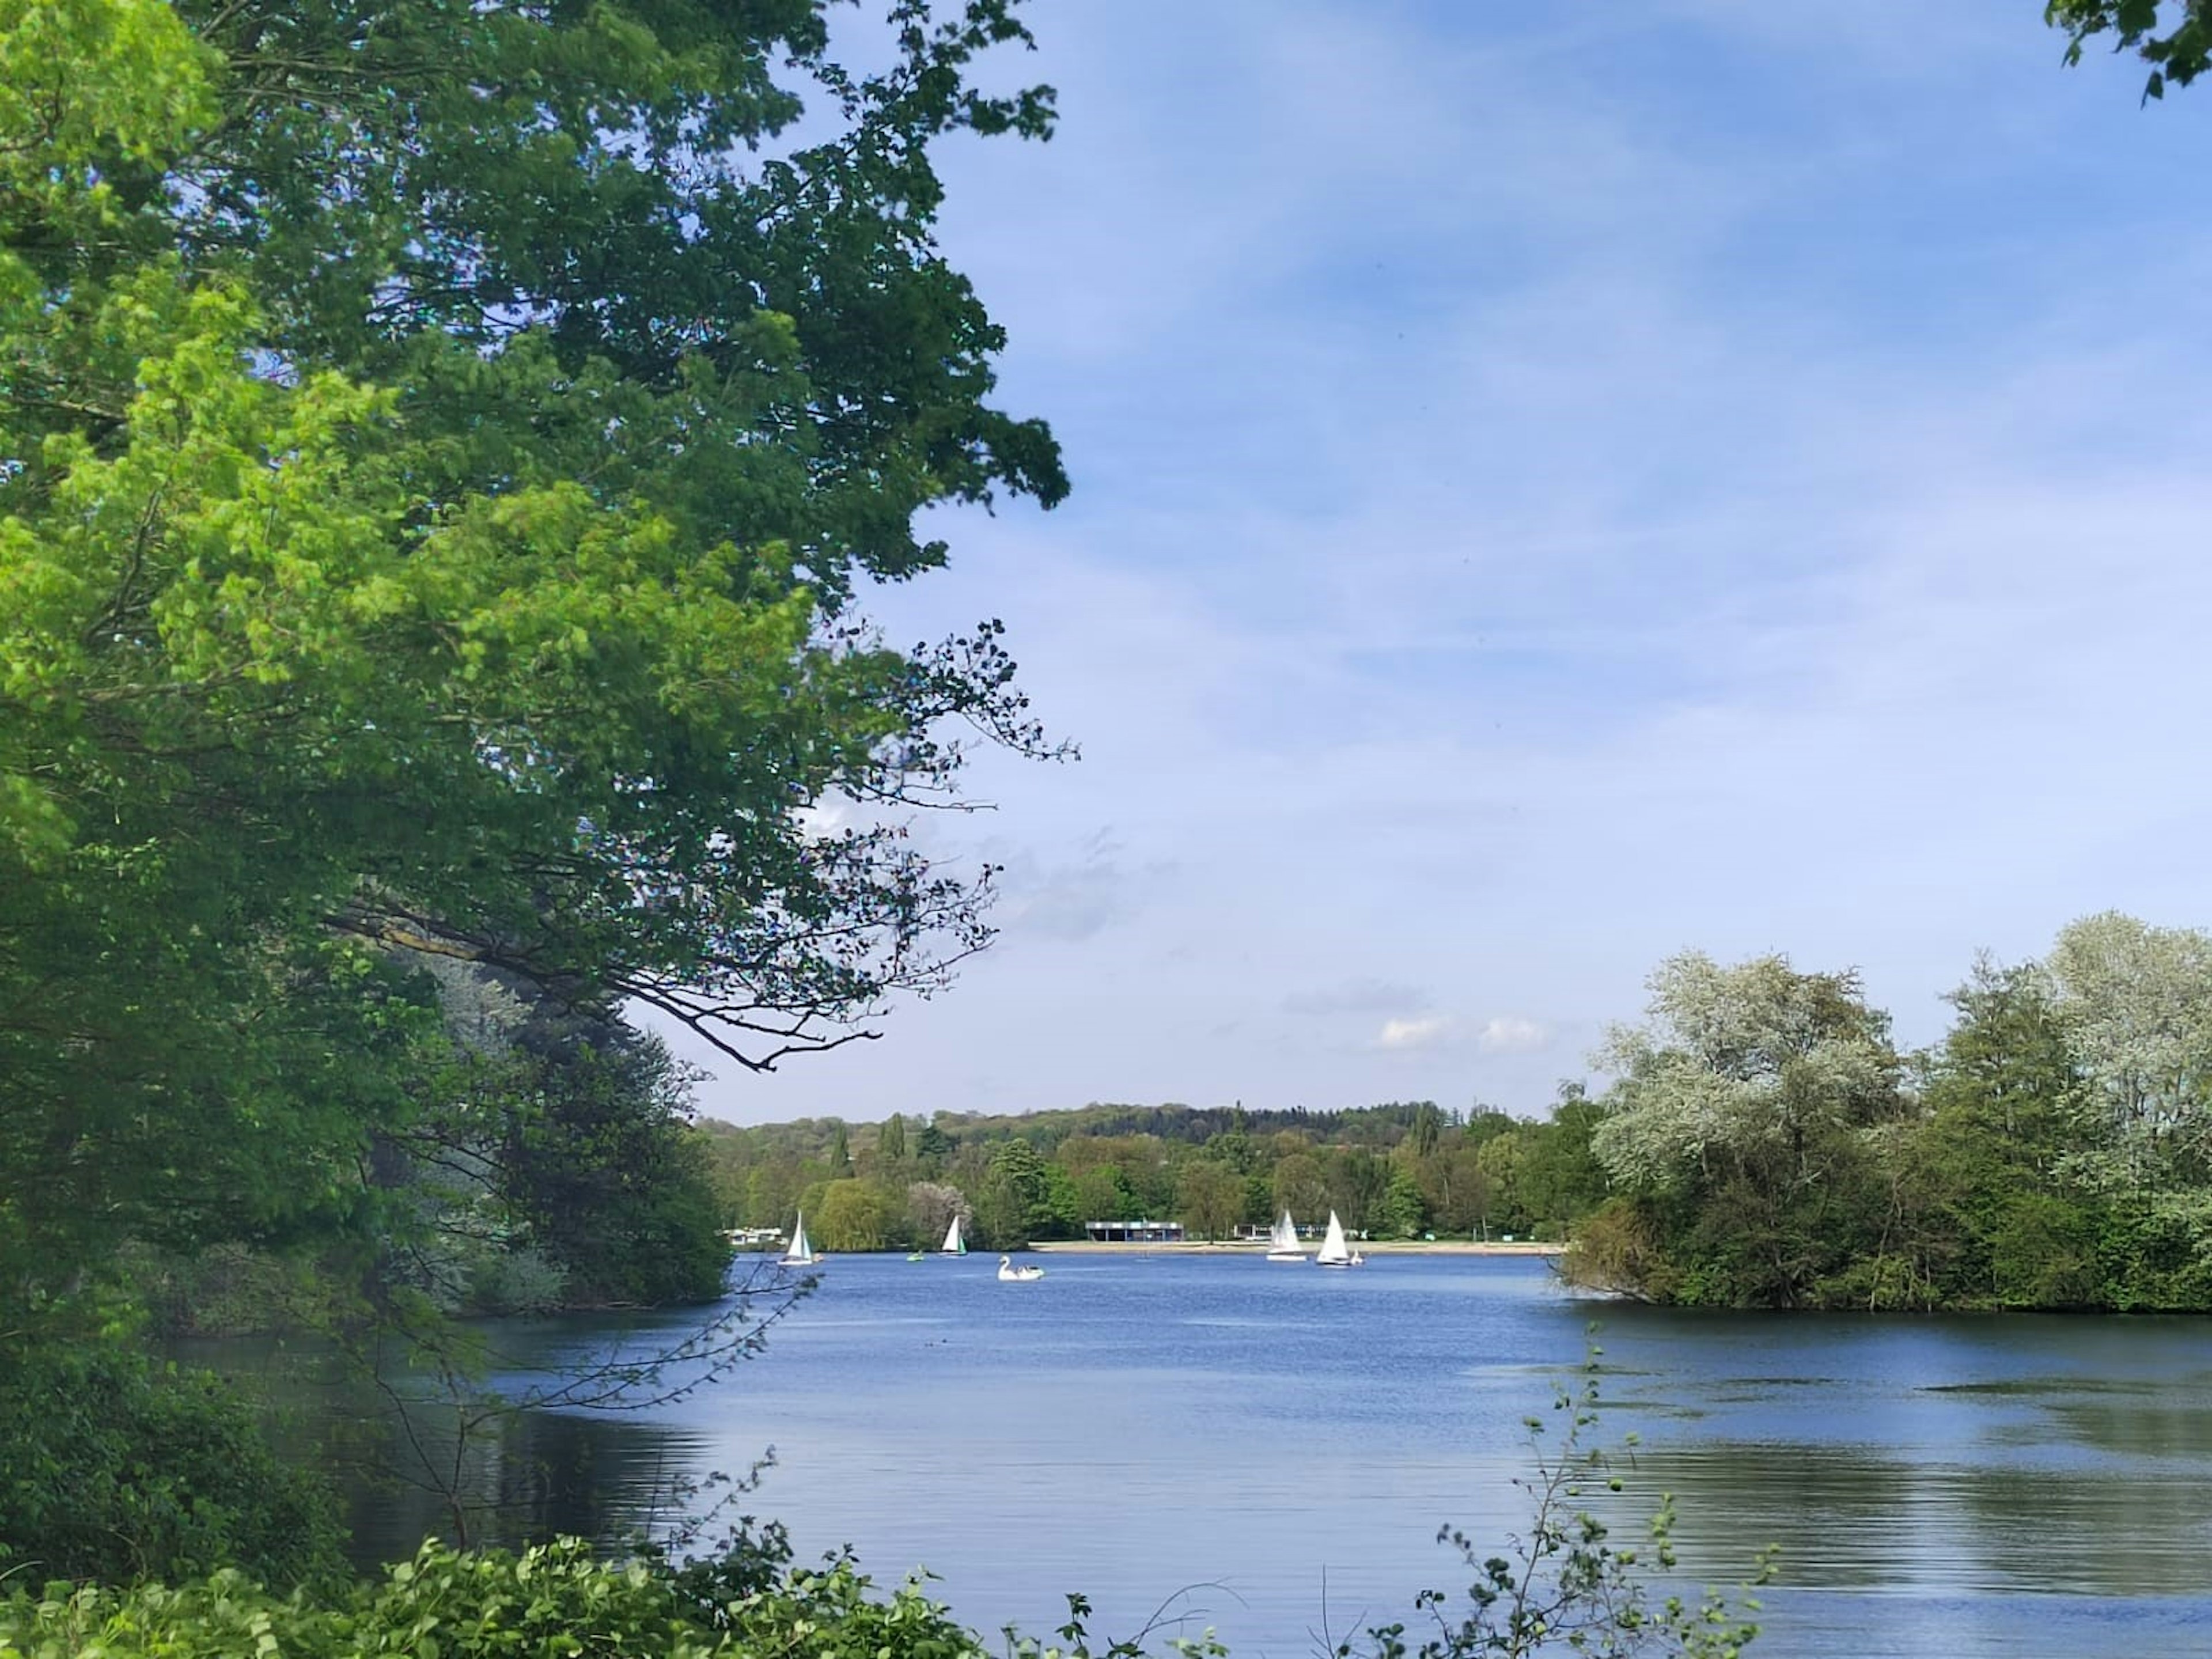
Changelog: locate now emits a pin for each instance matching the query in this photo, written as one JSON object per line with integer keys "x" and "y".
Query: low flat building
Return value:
{"x": 1133, "y": 1232}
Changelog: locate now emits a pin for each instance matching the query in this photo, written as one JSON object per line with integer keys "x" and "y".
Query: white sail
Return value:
{"x": 954, "y": 1244}
{"x": 1283, "y": 1241}
{"x": 1335, "y": 1251}
{"x": 801, "y": 1254}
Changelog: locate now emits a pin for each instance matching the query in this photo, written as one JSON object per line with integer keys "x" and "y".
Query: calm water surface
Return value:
{"x": 1288, "y": 1441}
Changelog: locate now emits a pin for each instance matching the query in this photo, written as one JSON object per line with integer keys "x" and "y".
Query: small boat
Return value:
{"x": 1335, "y": 1251}
{"x": 954, "y": 1244}
{"x": 1013, "y": 1275}
{"x": 916, "y": 1255}
{"x": 801, "y": 1254}
{"x": 1283, "y": 1241}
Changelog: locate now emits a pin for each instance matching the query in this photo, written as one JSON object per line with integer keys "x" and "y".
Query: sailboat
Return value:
{"x": 801, "y": 1254}
{"x": 1283, "y": 1241}
{"x": 1021, "y": 1275}
{"x": 954, "y": 1244}
{"x": 1335, "y": 1251}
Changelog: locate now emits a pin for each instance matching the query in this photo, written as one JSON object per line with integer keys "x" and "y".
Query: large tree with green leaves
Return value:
{"x": 1738, "y": 1124}
{"x": 444, "y": 448}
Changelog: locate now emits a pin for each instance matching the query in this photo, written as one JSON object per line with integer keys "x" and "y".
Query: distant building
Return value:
{"x": 1133, "y": 1232}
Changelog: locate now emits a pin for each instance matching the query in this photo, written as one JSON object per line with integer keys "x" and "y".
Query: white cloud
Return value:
{"x": 1427, "y": 1032}
{"x": 1509, "y": 1033}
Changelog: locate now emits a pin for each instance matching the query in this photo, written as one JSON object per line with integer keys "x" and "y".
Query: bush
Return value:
{"x": 555, "y": 1599}
{"x": 113, "y": 1467}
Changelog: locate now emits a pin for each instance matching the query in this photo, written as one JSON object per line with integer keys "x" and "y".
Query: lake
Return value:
{"x": 1281, "y": 1443}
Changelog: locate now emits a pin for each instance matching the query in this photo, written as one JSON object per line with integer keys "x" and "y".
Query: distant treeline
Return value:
{"x": 1760, "y": 1142}
{"x": 1394, "y": 1170}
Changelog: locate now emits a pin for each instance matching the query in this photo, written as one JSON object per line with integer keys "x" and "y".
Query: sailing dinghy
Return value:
{"x": 801, "y": 1254}
{"x": 1335, "y": 1251}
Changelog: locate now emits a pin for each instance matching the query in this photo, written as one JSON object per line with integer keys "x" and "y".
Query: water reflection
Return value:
{"x": 413, "y": 1459}
{"x": 1936, "y": 1486}
{"x": 1850, "y": 1517}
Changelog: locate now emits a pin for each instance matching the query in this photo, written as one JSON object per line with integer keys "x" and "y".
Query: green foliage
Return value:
{"x": 1402, "y": 1212}
{"x": 856, "y": 1215}
{"x": 598, "y": 1170}
{"x": 555, "y": 1599}
{"x": 1741, "y": 1114}
{"x": 1015, "y": 1202}
{"x": 438, "y": 449}
{"x": 2175, "y": 40}
{"x": 1499, "y": 1174}
{"x": 1210, "y": 1196}
{"x": 2057, "y": 1152}
{"x": 113, "y": 1467}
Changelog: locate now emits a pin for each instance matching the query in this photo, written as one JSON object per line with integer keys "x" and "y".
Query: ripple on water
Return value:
{"x": 1953, "y": 1487}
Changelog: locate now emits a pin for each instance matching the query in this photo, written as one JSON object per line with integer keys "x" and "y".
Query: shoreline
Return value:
{"x": 1258, "y": 1247}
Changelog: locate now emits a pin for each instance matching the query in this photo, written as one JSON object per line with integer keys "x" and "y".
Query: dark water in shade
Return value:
{"x": 1288, "y": 1440}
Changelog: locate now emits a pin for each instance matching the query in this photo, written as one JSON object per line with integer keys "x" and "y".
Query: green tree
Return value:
{"x": 932, "y": 1148}
{"x": 440, "y": 450}
{"x": 1015, "y": 1202}
{"x": 1357, "y": 1182}
{"x": 855, "y": 1215}
{"x": 1454, "y": 1186}
{"x": 890, "y": 1140}
{"x": 1975, "y": 1184}
{"x": 1102, "y": 1194}
{"x": 1502, "y": 1162}
{"x": 1401, "y": 1212}
{"x": 1428, "y": 1126}
{"x": 1301, "y": 1185}
{"x": 1560, "y": 1178}
{"x": 2134, "y": 1004}
{"x": 437, "y": 458}
{"x": 1740, "y": 1114}
{"x": 1210, "y": 1196}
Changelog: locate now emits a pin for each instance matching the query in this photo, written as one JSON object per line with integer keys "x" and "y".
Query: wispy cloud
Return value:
{"x": 1074, "y": 897}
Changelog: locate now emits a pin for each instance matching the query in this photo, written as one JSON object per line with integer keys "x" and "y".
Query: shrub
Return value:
{"x": 557, "y": 1599}
{"x": 114, "y": 1468}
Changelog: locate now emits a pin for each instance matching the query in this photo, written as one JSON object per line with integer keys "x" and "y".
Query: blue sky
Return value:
{"x": 1554, "y": 486}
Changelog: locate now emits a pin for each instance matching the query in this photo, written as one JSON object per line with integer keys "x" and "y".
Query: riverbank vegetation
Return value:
{"x": 1759, "y": 1140}
{"x": 1767, "y": 1145}
{"x": 1395, "y": 1171}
